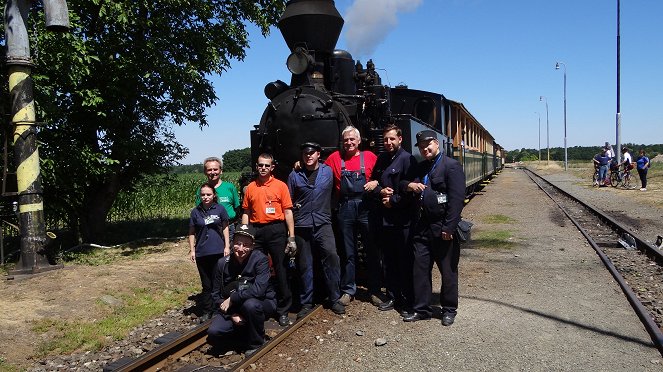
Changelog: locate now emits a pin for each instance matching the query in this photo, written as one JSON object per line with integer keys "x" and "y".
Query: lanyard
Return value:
{"x": 437, "y": 160}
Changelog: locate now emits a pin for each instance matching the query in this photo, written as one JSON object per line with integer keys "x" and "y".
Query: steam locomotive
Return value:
{"x": 329, "y": 91}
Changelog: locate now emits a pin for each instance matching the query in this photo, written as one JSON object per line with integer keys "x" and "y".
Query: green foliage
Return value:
{"x": 577, "y": 152}
{"x": 111, "y": 90}
{"x": 138, "y": 306}
{"x": 237, "y": 160}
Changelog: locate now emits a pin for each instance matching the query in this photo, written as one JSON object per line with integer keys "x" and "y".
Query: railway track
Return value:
{"x": 171, "y": 355}
{"x": 634, "y": 263}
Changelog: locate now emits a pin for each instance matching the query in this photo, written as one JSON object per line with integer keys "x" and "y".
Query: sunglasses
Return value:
{"x": 259, "y": 165}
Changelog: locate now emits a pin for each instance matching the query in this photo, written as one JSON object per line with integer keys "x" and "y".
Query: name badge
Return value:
{"x": 441, "y": 198}
{"x": 210, "y": 219}
{"x": 270, "y": 210}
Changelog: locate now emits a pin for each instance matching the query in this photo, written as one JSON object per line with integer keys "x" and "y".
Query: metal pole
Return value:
{"x": 542, "y": 98}
{"x": 539, "y": 136}
{"x": 566, "y": 157}
{"x": 32, "y": 226}
{"x": 619, "y": 114}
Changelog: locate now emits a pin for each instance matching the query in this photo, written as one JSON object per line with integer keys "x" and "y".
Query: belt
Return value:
{"x": 267, "y": 224}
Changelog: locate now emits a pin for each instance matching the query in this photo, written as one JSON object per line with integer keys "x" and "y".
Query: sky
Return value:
{"x": 496, "y": 57}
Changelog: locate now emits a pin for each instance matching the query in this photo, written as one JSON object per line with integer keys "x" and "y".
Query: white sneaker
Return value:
{"x": 643, "y": 189}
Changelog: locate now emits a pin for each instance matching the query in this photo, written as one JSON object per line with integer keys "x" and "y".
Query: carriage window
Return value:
{"x": 424, "y": 109}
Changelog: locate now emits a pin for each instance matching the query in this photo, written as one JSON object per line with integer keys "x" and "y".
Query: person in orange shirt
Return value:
{"x": 268, "y": 207}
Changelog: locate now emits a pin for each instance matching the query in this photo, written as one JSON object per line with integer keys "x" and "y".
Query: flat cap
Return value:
{"x": 246, "y": 230}
{"x": 426, "y": 135}
{"x": 308, "y": 146}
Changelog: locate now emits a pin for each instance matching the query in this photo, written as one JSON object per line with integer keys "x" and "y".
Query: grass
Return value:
{"x": 497, "y": 218}
{"x": 499, "y": 239}
{"x": 138, "y": 306}
{"x": 106, "y": 256}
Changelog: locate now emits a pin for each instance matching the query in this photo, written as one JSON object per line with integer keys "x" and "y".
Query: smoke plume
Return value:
{"x": 368, "y": 22}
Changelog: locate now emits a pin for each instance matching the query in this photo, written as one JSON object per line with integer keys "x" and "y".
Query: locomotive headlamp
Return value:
{"x": 299, "y": 61}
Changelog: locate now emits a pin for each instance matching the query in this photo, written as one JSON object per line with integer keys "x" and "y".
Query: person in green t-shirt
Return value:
{"x": 225, "y": 191}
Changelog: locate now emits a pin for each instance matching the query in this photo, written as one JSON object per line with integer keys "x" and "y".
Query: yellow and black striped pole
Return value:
{"x": 26, "y": 157}
{"x": 32, "y": 228}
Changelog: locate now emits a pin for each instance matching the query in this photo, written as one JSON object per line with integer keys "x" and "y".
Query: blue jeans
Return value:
{"x": 352, "y": 218}
{"x": 603, "y": 172}
{"x": 318, "y": 242}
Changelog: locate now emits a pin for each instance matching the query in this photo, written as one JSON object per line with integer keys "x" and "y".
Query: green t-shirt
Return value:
{"x": 227, "y": 197}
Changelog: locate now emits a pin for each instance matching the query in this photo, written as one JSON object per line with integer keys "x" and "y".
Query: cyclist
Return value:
{"x": 627, "y": 162}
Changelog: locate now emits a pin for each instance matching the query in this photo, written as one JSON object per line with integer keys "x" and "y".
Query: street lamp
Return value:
{"x": 566, "y": 158}
{"x": 542, "y": 98}
{"x": 536, "y": 112}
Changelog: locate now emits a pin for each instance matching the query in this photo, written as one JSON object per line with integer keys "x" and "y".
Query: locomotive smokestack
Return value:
{"x": 315, "y": 24}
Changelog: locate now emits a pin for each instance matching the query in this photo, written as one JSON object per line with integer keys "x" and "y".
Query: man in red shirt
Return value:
{"x": 267, "y": 205}
{"x": 352, "y": 169}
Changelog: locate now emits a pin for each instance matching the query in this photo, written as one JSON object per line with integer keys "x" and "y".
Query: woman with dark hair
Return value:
{"x": 643, "y": 166}
{"x": 208, "y": 241}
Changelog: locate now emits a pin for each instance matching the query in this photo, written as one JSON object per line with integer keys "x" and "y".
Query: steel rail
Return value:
{"x": 643, "y": 313}
{"x": 159, "y": 357}
{"x": 642, "y": 244}
{"x": 264, "y": 349}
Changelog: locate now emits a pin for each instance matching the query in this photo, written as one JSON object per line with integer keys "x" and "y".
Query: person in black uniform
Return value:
{"x": 439, "y": 191}
{"x": 392, "y": 218}
{"x": 243, "y": 295}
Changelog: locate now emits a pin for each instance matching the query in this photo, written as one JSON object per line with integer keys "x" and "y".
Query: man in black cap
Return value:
{"x": 242, "y": 294}
{"x": 439, "y": 193}
{"x": 310, "y": 190}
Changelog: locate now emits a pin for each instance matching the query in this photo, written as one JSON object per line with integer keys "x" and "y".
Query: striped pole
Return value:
{"x": 32, "y": 228}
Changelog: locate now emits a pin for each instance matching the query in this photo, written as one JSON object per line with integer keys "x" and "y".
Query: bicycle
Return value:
{"x": 619, "y": 177}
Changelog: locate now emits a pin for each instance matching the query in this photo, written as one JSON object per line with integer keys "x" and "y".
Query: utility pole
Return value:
{"x": 31, "y": 222}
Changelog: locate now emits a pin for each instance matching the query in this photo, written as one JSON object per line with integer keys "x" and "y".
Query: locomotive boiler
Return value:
{"x": 329, "y": 90}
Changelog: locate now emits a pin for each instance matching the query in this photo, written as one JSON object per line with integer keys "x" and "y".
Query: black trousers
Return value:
{"x": 397, "y": 254}
{"x": 318, "y": 243}
{"x": 271, "y": 239}
{"x": 206, "y": 266}
{"x": 250, "y": 334}
{"x": 445, "y": 253}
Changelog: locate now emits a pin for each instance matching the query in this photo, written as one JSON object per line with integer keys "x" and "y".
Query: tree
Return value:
{"x": 237, "y": 160}
{"x": 111, "y": 90}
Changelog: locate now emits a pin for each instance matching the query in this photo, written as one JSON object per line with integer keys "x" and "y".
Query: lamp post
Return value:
{"x": 566, "y": 157}
{"x": 542, "y": 98}
{"x": 539, "y": 136}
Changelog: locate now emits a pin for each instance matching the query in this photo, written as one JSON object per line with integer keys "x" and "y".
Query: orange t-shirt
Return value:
{"x": 265, "y": 202}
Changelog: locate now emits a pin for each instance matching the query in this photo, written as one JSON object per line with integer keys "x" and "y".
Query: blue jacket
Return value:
{"x": 443, "y": 177}
{"x": 312, "y": 202}
{"x": 389, "y": 171}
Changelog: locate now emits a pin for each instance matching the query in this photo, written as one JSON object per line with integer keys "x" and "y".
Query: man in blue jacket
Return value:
{"x": 392, "y": 218}
{"x": 439, "y": 192}
{"x": 310, "y": 190}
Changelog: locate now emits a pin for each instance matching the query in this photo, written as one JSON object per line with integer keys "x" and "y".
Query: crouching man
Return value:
{"x": 242, "y": 294}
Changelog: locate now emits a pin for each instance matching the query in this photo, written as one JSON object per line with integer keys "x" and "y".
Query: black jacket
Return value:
{"x": 255, "y": 283}
{"x": 389, "y": 171}
{"x": 445, "y": 178}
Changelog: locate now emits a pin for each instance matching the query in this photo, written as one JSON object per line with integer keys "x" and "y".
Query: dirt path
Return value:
{"x": 75, "y": 293}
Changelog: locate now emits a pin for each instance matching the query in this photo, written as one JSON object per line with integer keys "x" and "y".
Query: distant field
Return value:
{"x": 158, "y": 198}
